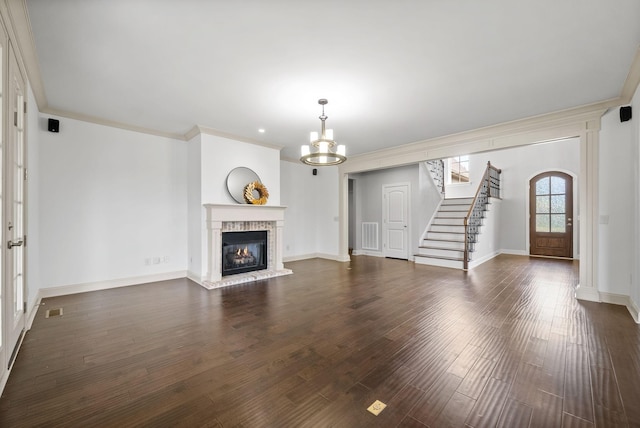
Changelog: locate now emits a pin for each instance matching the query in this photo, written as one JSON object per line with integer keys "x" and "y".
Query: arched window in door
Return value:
{"x": 551, "y": 215}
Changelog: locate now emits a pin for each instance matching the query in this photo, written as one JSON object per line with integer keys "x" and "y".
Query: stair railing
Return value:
{"x": 489, "y": 188}
{"x": 436, "y": 168}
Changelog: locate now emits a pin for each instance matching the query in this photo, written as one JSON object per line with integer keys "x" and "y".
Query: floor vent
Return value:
{"x": 53, "y": 313}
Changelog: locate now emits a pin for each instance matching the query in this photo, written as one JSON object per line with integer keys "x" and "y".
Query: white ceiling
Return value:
{"x": 394, "y": 72}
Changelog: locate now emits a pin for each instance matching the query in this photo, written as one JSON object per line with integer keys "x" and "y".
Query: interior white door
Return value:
{"x": 395, "y": 221}
{"x": 14, "y": 304}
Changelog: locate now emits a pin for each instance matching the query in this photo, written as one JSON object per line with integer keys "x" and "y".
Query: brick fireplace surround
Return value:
{"x": 236, "y": 218}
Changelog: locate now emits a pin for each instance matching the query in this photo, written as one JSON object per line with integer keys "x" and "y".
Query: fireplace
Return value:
{"x": 223, "y": 219}
{"x": 244, "y": 252}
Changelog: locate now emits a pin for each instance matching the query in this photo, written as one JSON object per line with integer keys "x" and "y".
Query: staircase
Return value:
{"x": 451, "y": 237}
{"x": 443, "y": 244}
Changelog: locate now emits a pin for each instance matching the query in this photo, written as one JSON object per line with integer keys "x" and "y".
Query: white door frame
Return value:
{"x": 14, "y": 323}
{"x": 407, "y": 228}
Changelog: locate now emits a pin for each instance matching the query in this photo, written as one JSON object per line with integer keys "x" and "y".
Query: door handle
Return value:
{"x": 11, "y": 244}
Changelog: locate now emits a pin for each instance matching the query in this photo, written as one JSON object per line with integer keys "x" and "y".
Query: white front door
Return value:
{"x": 14, "y": 303}
{"x": 395, "y": 221}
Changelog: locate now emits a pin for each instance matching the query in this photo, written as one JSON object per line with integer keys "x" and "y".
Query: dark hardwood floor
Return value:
{"x": 504, "y": 345}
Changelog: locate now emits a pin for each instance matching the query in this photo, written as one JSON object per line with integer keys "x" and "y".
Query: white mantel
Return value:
{"x": 238, "y": 217}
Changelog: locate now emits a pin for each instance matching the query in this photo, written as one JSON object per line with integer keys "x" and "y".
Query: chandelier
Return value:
{"x": 323, "y": 151}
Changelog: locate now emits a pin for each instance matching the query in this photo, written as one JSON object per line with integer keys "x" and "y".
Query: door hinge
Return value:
{"x": 24, "y": 240}
{"x": 25, "y": 107}
{"x": 25, "y": 307}
{"x": 25, "y": 174}
{"x": 15, "y": 118}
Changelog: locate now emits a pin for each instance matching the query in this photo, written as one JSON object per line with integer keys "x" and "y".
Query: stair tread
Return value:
{"x": 455, "y": 259}
{"x": 442, "y": 248}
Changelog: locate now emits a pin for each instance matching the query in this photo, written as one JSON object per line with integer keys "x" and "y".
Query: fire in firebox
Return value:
{"x": 243, "y": 257}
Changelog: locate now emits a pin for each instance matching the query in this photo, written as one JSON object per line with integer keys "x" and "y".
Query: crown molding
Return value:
{"x": 296, "y": 161}
{"x": 545, "y": 127}
{"x": 193, "y": 132}
{"x": 21, "y": 36}
{"x": 111, "y": 123}
{"x": 632, "y": 81}
{"x": 203, "y": 130}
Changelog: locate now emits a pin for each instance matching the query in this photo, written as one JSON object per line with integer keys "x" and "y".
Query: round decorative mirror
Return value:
{"x": 237, "y": 179}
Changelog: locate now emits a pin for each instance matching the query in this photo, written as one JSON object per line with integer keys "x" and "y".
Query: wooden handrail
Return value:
{"x": 486, "y": 179}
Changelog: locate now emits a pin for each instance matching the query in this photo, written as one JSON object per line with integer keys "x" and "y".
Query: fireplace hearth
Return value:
{"x": 244, "y": 252}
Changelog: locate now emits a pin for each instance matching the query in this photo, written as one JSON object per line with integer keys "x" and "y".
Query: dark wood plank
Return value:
{"x": 505, "y": 343}
{"x": 570, "y": 421}
{"x": 476, "y": 379}
{"x": 552, "y": 374}
{"x": 455, "y": 411}
{"x": 515, "y": 414}
{"x": 434, "y": 401}
{"x": 577, "y": 399}
{"x": 488, "y": 407}
{"x": 525, "y": 385}
{"x": 547, "y": 411}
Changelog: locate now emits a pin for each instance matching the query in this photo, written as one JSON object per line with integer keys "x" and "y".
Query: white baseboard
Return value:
{"x": 623, "y": 300}
{"x": 514, "y": 252}
{"x": 368, "y": 253}
{"x": 195, "y": 278}
{"x": 105, "y": 285}
{"x": 476, "y": 263}
{"x": 299, "y": 257}
{"x": 587, "y": 293}
{"x": 333, "y": 257}
{"x": 4, "y": 379}
{"x": 634, "y": 310}
{"x": 615, "y": 299}
{"x": 31, "y": 314}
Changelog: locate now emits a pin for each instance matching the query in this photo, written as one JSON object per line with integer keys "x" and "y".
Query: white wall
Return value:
{"x": 616, "y": 206}
{"x": 109, "y": 199}
{"x": 311, "y": 226}
{"x": 635, "y": 248}
{"x": 220, "y": 155}
{"x": 195, "y": 212}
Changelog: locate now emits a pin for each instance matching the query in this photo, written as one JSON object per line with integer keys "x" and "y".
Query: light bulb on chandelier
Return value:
{"x": 323, "y": 150}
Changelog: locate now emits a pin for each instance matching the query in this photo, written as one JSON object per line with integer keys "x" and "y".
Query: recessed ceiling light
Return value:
{"x": 261, "y": 130}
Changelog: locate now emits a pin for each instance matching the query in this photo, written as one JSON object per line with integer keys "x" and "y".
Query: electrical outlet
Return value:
{"x": 147, "y": 261}
{"x": 165, "y": 259}
{"x": 156, "y": 260}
